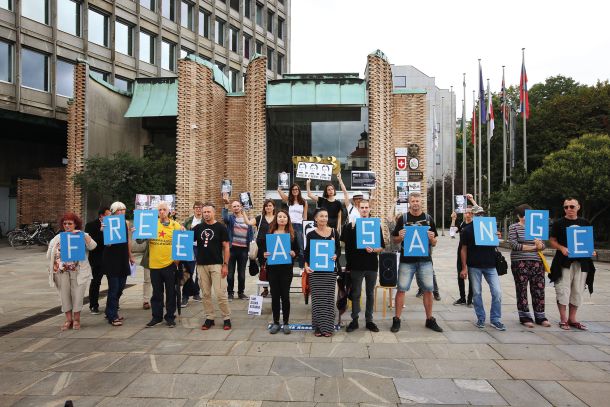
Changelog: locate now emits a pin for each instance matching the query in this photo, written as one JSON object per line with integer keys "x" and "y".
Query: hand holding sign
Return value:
{"x": 416, "y": 241}
{"x": 72, "y": 246}
{"x": 182, "y": 245}
{"x": 536, "y": 224}
{"x": 485, "y": 231}
{"x": 321, "y": 255}
{"x": 580, "y": 242}
{"x": 145, "y": 223}
{"x": 278, "y": 246}
{"x": 368, "y": 233}
{"x": 115, "y": 230}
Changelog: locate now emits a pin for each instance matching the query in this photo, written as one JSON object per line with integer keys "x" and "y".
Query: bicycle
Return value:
{"x": 36, "y": 233}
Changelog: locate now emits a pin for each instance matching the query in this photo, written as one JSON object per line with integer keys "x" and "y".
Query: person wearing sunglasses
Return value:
{"x": 570, "y": 275}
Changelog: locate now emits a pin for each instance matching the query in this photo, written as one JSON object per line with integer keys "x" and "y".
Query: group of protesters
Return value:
{"x": 223, "y": 249}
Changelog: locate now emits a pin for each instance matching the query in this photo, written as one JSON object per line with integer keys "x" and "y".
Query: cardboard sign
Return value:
{"x": 182, "y": 245}
{"x": 460, "y": 203}
{"x": 308, "y": 226}
{"x": 145, "y": 221}
{"x": 363, "y": 180}
{"x": 255, "y": 305}
{"x": 71, "y": 246}
{"x": 368, "y": 233}
{"x": 580, "y": 241}
{"x": 314, "y": 171}
{"x": 416, "y": 241}
{"x": 401, "y": 163}
{"x": 114, "y": 229}
{"x": 485, "y": 231}
{"x": 283, "y": 180}
{"x": 320, "y": 255}
{"x": 536, "y": 224}
{"x": 144, "y": 201}
{"x": 278, "y": 244}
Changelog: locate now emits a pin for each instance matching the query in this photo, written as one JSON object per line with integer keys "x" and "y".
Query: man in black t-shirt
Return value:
{"x": 94, "y": 229}
{"x": 212, "y": 239}
{"x": 420, "y": 267}
{"x": 569, "y": 275}
{"x": 363, "y": 265}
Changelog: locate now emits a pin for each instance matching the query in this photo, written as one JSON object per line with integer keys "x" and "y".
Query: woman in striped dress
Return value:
{"x": 527, "y": 267}
{"x": 322, "y": 283}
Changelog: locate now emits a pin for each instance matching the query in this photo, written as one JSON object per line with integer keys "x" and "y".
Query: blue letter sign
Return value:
{"x": 72, "y": 246}
{"x": 580, "y": 241}
{"x": 416, "y": 241}
{"x": 368, "y": 233}
{"x": 321, "y": 255}
{"x": 182, "y": 245}
{"x": 278, "y": 244}
{"x": 485, "y": 231}
{"x": 145, "y": 222}
{"x": 536, "y": 224}
{"x": 114, "y": 229}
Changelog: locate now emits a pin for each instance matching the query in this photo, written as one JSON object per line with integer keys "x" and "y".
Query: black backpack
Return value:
{"x": 501, "y": 264}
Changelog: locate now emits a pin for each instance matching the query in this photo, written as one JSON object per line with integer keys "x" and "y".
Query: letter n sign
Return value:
{"x": 485, "y": 231}
{"x": 580, "y": 241}
{"x": 182, "y": 245}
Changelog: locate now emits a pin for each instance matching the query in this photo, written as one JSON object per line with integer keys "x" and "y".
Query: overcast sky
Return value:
{"x": 444, "y": 38}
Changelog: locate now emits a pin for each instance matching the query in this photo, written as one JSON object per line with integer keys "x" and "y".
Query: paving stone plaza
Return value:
{"x": 101, "y": 365}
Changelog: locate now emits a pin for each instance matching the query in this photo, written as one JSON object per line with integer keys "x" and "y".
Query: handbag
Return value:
{"x": 253, "y": 268}
{"x": 263, "y": 272}
{"x": 305, "y": 286}
{"x": 253, "y": 249}
{"x": 545, "y": 263}
{"x": 501, "y": 264}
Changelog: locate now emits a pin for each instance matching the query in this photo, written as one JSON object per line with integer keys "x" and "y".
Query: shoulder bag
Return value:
{"x": 253, "y": 249}
{"x": 501, "y": 264}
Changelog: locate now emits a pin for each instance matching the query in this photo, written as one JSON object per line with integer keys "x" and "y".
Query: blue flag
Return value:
{"x": 182, "y": 245}
{"x": 320, "y": 255}
{"x": 115, "y": 230}
{"x": 536, "y": 224}
{"x": 72, "y": 246}
{"x": 485, "y": 231}
{"x": 278, "y": 244}
{"x": 580, "y": 241}
{"x": 368, "y": 233}
{"x": 145, "y": 221}
{"x": 416, "y": 241}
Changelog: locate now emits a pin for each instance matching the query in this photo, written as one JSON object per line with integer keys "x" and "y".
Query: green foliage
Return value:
{"x": 122, "y": 176}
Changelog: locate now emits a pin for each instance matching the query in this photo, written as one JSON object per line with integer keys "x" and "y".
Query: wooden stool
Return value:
{"x": 385, "y": 292}
{"x": 261, "y": 284}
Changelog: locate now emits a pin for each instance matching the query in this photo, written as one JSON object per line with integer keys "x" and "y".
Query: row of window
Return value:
{"x": 35, "y": 71}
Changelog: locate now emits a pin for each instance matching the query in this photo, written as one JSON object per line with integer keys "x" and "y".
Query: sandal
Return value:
{"x": 265, "y": 293}
{"x": 317, "y": 333}
{"x": 564, "y": 326}
{"x": 327, "y": 334}
{"x": 528, "y": 324}
{"x": 544, "y": 323}
{"x": 76, "y": 325}
{"x": 578, "y": 325}
{"x": 117, "y": 322}
{"x": 67, "y": 325}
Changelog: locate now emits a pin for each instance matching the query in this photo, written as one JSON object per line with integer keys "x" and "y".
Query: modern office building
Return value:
{"x": 41, "y": 42}
{"x": 440, "y": 119}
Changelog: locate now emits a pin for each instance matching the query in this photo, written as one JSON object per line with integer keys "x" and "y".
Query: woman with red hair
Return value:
{"x": 70, "y": 278}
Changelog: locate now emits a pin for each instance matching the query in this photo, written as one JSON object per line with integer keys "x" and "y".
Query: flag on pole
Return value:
{"x": 524, "y": 102}
{"x": 482, "y": 112}
{"x": 434, "y": 130}
{"x": 474, "y": 123}
{"x": 504, "y": 101}
{"x": 490, "y": 112}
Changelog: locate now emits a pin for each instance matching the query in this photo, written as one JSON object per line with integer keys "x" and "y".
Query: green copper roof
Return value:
{"x": 109, "y": 86}
{"x": 409, "y": 91}
{"x": 219, "y": 77}
{"x": 317, "y": 89}
{"x": 154, "y": 97}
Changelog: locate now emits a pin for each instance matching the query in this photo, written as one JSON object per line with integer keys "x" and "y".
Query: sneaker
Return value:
{"x": 431, "y": 324}
{"x": 153, "y": 322}
{"x": 286, "y": 329}
{"x": 227, "y": 325}
{"x": 498, "y": 325}
{"x": 460, "y": 301}
{"x": 437, "y": 296}
{"x": 395, "y": 324}
{"x": 146, "y": 305}
{"x": 371, "y": 326}
{"x": 242, "y": 296}
{"x": 469, "y": 304}
{"x": 94, "y": 311}
{"x": 171, "y": 323}
{"x": 275, "y": 328}
{"x": 480, "y": 324}
{"x": 352, "y": 326}
{"x": 230, "y": 297}
{"x": 207, "y": 324}
{"x": 185, "y": 303}
{"x": 197, "y": 298}
{"x": 419, "y": 294}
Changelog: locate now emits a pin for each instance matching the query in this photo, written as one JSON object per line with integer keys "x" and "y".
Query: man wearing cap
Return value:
{"x": 352, "y": 210}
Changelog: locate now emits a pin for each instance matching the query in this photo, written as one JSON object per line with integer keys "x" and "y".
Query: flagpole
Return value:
{"x": 442, "y": 138}
{"x": 503, "y": 128}
{"x": 524, "y": 115}
{"x": 453, "y": 149}
{"x": 464, "y": 144}
{"x": 474, "y": 147}
{"x": 434, "y": 160}
{"x": 489, "y": 149}
{"x": 480, "y": 141}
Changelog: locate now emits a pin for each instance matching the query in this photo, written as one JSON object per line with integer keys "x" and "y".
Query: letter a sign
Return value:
{"x": 401, "y": 163}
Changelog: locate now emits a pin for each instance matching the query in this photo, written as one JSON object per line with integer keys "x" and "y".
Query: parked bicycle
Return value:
{"x": 36, "y": 233}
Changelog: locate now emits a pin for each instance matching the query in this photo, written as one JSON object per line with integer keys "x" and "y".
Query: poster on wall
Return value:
{"x": 402, "y": 191}
{"x": 414, "y": 186}
{"x": 363, "y": 180}
{"x": 401, "y": 175}
{"x": 314, "y": 171}
{"x": 144, "y": 201}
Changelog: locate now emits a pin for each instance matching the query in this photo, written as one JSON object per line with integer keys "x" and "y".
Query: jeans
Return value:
{"x": 423, "y": 272}
{"x": 435, "y": 286}
{"x": 163, "y": 280}
{"x": 298, "y": 234}
{"x": 280, "y": 278}
{"x": 239, "y": 258}
{"x": 190, "y": 288}
{"x": 370, "y": 279}
{"x": 115, "y": 290}
{"x": 94, "y": 288}
{"x": 491, "y": 276}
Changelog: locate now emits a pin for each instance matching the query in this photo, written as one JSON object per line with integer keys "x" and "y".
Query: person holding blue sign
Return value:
{"x": 191, "y": 288}
{"x": 319, "y": 259}
{"x": 279, "y": 249}
{"x": 363, "y": 242}
{"x": 69, "y": 276}
{"x": 163, "y": 269}
{"x": 415, "y": 260}
{"x": 94, "y": 229}
{"x": 527, "y": 268}
{"x": 569, "y": 273}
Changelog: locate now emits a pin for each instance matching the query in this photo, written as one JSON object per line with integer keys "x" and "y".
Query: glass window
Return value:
{"x": 123, "y": 40}
{"x": 259, "y": 14}
{"x": 64, "y": 78}
{"x": 233, "y": 38}
{"x": 68, "y": 16}
{"x": 270, "y": 16}
{"x": 99, "y": 74}
{"x": 235, "y": 5}
{"x": 207, "y": 58}
{"x": 259, "y": 47}
{"x": 248, "y": 8}
{"x": 35, "y": 69}
{"x": 247, "y": 41}
{"x": 184, "y": 52}
{"x": 269, "y": 58}
{"x": 221, "y": 66}
{"x": 168, "y": 9}
{"x": 149, "y": 4}
{"x": 147, "y": 47}
{"x": 186, "y": 15}
{"x": 123, "y": 84}
{"x": 98, "y": 28}
{"x": 37, "y": 10}
{"x": 334, "y": 132}
{"x": 6, "y": 4}
{"x": 280, "y": 28}
{"x": 400, "y": 81}
{"x": 6, "y": 62}
{"x": 168, "y": 55}
{"x": 220, "y": 32}
{"x": 280, "y": 63}
{"x": 204, "y": 23}
{"x": 233, "y": 79}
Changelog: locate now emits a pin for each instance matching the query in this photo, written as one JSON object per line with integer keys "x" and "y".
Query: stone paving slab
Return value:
{"x": 530, "y": 352}
{"x": 593, "y": 394}
{"x": 459, "y": 369}
{"x": 163, "y": 385}
{"x": 355, "y": 390}
{"x": 380, "y": 368}
{"x": 519, "y": 393}
{"x": 307, "y": 367}
{"x": 267, "y": 388}
{"x": 585, "y": 353}
{"x": 447, "y": 391}
{"x": 147, "y": 363}
{"x": 463, "y": 351}
{"x": 57, "y": 401}
{"x": 555, "y": 393}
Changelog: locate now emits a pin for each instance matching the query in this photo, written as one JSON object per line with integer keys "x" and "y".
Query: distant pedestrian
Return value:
{"x": 297, "y": 209}
{"x": 263, "y": 223}
{"x": 94, "y": 229}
